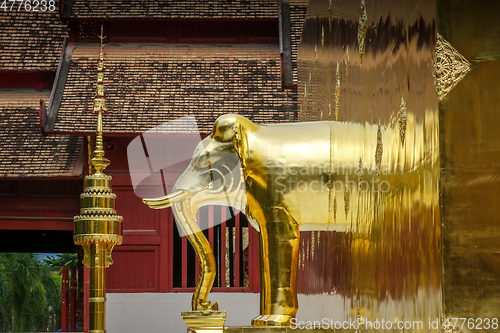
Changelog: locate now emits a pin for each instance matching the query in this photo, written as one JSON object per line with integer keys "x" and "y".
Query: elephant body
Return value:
{"x": 304, "y": 168}
{"x": 284, "y": 178}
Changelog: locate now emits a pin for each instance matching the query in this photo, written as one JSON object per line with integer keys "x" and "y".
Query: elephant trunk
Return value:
{"x": 186, "y": 216}
{"x": 165, "y": 201}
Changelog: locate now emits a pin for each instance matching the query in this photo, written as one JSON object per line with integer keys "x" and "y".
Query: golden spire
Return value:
{"x": 99, "y": 161}
{"x": 98, "y": 229}
{"x": 100, "y": 97}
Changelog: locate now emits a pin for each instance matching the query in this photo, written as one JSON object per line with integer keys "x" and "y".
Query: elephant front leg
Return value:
{"x": 187, "y": 220}
{"x": 279, "y": 247}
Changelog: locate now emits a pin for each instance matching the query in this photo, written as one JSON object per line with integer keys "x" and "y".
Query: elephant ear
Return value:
{"x": 235, "y": 128}
{"x": 240, "y": 143}
{"x": 242, "y": 128}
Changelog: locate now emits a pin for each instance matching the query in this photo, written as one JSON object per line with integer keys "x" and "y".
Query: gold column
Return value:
{"x": 98, "y": 229}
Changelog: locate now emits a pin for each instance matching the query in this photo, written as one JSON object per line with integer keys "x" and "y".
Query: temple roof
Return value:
{"x": 147, "y": 85}
{"x": 30, "y": 41}
{"x": 24, "y": 151}
{"x": 187, "y": 9}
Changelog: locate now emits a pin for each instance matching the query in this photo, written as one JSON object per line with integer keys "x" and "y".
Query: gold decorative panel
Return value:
{"x": 449, "y": 67}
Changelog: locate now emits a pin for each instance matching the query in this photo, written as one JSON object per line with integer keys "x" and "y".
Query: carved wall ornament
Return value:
{"x": 335, "y": 208}
{"x": 378, "y": 151}
{"x": 360, "y": 174}
{"x": 346, "y": 62}
{"x": 449, "y": 67}
{"x": 347, "y": 194}
{"x": 363, "y": 19}
{"x": 337, "y": 92}
{"x": 313, "y": 242}
{"x": 308, "y": 247}
{"x": 402, "y": 120}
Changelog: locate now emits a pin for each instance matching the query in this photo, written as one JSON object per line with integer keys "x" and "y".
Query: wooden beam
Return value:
{"x": 36, "y": 223}
{"x": 285, "y": 45}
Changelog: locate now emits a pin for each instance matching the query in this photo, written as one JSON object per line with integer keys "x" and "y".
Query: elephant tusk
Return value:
{"x": 165, "y": 201}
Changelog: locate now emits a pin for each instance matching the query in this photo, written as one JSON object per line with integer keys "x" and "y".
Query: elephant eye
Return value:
{"x": 213, "y": 159}
{"x": 203, "y": 161}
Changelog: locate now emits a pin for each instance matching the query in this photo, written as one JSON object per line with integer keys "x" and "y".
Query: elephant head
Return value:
{"x": 214, "y": 177}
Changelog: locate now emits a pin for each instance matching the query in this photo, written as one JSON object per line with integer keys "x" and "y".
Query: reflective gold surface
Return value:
{"x": 98, "y": 229}
{"x": 470, "y": 141}
{"x": 387, "y": 263}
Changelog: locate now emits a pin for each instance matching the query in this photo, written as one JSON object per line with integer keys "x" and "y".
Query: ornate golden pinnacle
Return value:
{"x": 98, "y": 229}
{"x": 100, "y": 97}
{"x": 98, "y": 221}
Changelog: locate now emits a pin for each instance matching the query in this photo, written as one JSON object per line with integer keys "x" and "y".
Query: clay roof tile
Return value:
{"x": 24, "y": 151}
{"x": 154, "y": 84}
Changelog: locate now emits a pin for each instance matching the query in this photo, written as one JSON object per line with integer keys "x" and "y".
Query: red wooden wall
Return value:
{"x": 36, "y": 215}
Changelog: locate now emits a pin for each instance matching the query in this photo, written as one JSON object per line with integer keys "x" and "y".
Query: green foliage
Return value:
{"x": 29, "y": 293}
{"x": 57, "y": 262}
{"x": 6, "y": 295}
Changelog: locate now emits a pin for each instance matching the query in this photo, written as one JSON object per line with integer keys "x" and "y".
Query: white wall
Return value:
{"x": 161, "y": 313}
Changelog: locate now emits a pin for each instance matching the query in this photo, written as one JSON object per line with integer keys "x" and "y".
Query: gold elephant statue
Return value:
{"x": 284, "y": 178}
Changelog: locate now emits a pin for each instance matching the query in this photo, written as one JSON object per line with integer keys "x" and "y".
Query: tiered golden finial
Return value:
{"x": 98, "y": 229}
{"x": 100, "y": 98}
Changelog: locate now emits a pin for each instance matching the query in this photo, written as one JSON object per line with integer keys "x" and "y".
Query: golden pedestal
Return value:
{"x": 204, "y": 321}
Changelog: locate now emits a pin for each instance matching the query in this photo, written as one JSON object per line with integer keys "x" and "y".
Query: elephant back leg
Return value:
{"x": 279, "y": 247}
